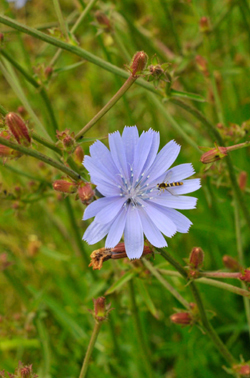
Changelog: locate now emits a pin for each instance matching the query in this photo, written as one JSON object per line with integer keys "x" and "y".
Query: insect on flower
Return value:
{"x": 127, "y": 177}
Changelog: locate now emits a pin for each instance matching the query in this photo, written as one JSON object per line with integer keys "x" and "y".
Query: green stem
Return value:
{"x": 141, "y": 340}
{"x": 167, "y": 285}
{"x": 107, "y": 107}
{"x": 212, "y": 129}
{"x": 45, "y": 142}
{"x": 39, "y": 156}
{"x": 91, "y": 345}
{"x": 206, "y": 324}
{"x": 241, "y": 258}
{"x": 61, "y": 21}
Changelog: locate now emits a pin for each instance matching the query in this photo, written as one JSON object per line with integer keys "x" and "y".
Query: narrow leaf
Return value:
{"x": 121, "y": 281}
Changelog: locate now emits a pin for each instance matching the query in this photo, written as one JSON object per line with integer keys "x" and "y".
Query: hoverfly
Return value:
{"x": 167, "y": 184}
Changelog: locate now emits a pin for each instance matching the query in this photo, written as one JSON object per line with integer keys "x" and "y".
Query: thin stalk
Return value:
{"x": 241, "y": 258}
{"x": 212, "y": 130}
{"x": 60, "y": 18}
{"x": 157, "y": 102}
{"x": 107, "y": 107}
{"x": 205, "y": 322}
{"x": 140, "y": 337}
{"x": 36, "y": 85}
{"x": 25, "y": 174}
{"x": 42, "y": 157}
{"x": 220, "y": 274}
{"x": 74, "y": 28}
{"x": 172, "y": 25}
{"x": 45, "y": 142}
{"x": 166, "y": 284}
{"x": 3, "y": 111}
{"x": 91, "y": 345}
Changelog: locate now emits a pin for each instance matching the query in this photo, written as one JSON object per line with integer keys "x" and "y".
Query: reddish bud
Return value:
{"x": 138, "y": 63}
{"x": 100, "y": 309}
{"x": 231, "y": 264}
{"x": 85, "y": 193}
{"x": 242, "y": 370}
{"x": 245, "y": 276}
{"x": 214, "y": 154}
{"x": 78, "y": 155}
{"x": 103, "y": 20}
{"x": 48, "y": 72}
{"x": 1, "y": 38}
{"x": 196, "y": 258}
{"x": 18, "y": 128}
{"x": 182, "y": 318}
{"x": 204, "y": 25}
{"x": 242, "y": 180}
{"x": 202, "y": 64}
{"x": 65, "y": 186}
{"x": 22, "y": 111}
{"x": 7, "y": 152}
{"x": 66, "y": 140}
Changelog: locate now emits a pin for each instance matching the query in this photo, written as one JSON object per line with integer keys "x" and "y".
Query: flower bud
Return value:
{"x": 245, "y": 275}
{"x": 65, "y": 186}
{"x": 231, "y": 264}
{"x": 7, "y": 152}
{"x": 242, "y": 370}
{"x": 103, "y": 20}
{"x": 204, "y": 25}
{"x": 202, "y": 65}
{"x": 182, "y": 318}
{"x": 242, "y": 180}
{"x": 66, "y": 140}
{"x": 18, "y": 128}
{"x": 196, "y": 258}
{"x": 138, "y": 63}
{"x": 22, "y": 111}
{"x": 85, "y": 193}
{"x": 214, "y": 154}
{"x": 48, "y": 72}
{"x": 78, "y": 155}
{"x": 1, "y": 38}
{"x": 101, "y": 311}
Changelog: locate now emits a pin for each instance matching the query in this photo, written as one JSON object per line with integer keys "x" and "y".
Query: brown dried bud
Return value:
{"x": 103, "y": 20}
{"x": 65, "y": 186}
{"x": 78, "y": 155}
{"x": 204, "y": 25}
{"x": 99, "y": 256}
{"x": 245, "y": 276}
{"x": 182, "y": 318}
{"x": 196, "y": 258}
{"x": 99, "y": 308}
{"x": 242, "y": 180}
{"x": 214, "y": 154}
{"x": 202, "y": 65}
{"x": 85, "y": 193}
{"x": 18, "y": 128}
{"x": 138, "y": 63}
{"x": 231, "y": 264}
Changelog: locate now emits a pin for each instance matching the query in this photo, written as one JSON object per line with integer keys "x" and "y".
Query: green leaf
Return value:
{"x": 146, "y": 297}
{"x": 68, "y": 68}
{"x": 118, "y": 284}
{"x": 190, "y": 96}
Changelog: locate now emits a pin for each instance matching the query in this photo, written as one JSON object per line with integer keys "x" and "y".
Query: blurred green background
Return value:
{"x": 47, "y": 290}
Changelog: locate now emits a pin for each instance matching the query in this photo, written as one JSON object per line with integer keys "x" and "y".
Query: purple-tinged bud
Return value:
{"x": 202, "y": 65}
{"x": 242, "y": 180}
{"x": 7, "y": 152}
{"x": 101, "y": 310}
{"x": 65, "y": 186}
{"x": 138, "y": 63}
{"x": 85, "y": 193}
{"x": 196, "y": 258}
{"x": 214, "y": 154}
{"x": 245, "y": 275}
{"x": 78, "y": 155}
{"x": 231, "y": 264}
{"x": 182, "y": 318}
{"x": 18, "y": 128}
{"x": 205, "y": 25}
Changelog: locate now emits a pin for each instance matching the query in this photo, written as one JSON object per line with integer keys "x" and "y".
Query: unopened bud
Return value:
{"x": 202, "y": 64}
{"x": 65, "y": 186}
{"x": 1, "y": 38}
{"x": 231, "y": 264}
{"x": 242, "y": 180}
{"x": 242, "y": 370}
{"x": 7, "y": 152}
{"x": 182, "y": 318}
{"x": 85, "y": 193}
{"x": 204, "y": 25}
{"x": 103, "y": 20}
{"x": 245, "y": 275}
{"x": 138, "y": 63}
{"x": 22, "y": 111}
{"x": 214, "y": 154}
{"x": 78, "y": 155}
{"x": 101, "y": 310}
{"x": 66, "y": 140}
{"x": 18, "y": 128}
{"x": 48, "y": 72}
{"x": 196, "y": 258}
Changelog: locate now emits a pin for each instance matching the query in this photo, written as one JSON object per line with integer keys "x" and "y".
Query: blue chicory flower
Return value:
{"x": 18, "y": 3}
{"x": 132, "y": 204}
